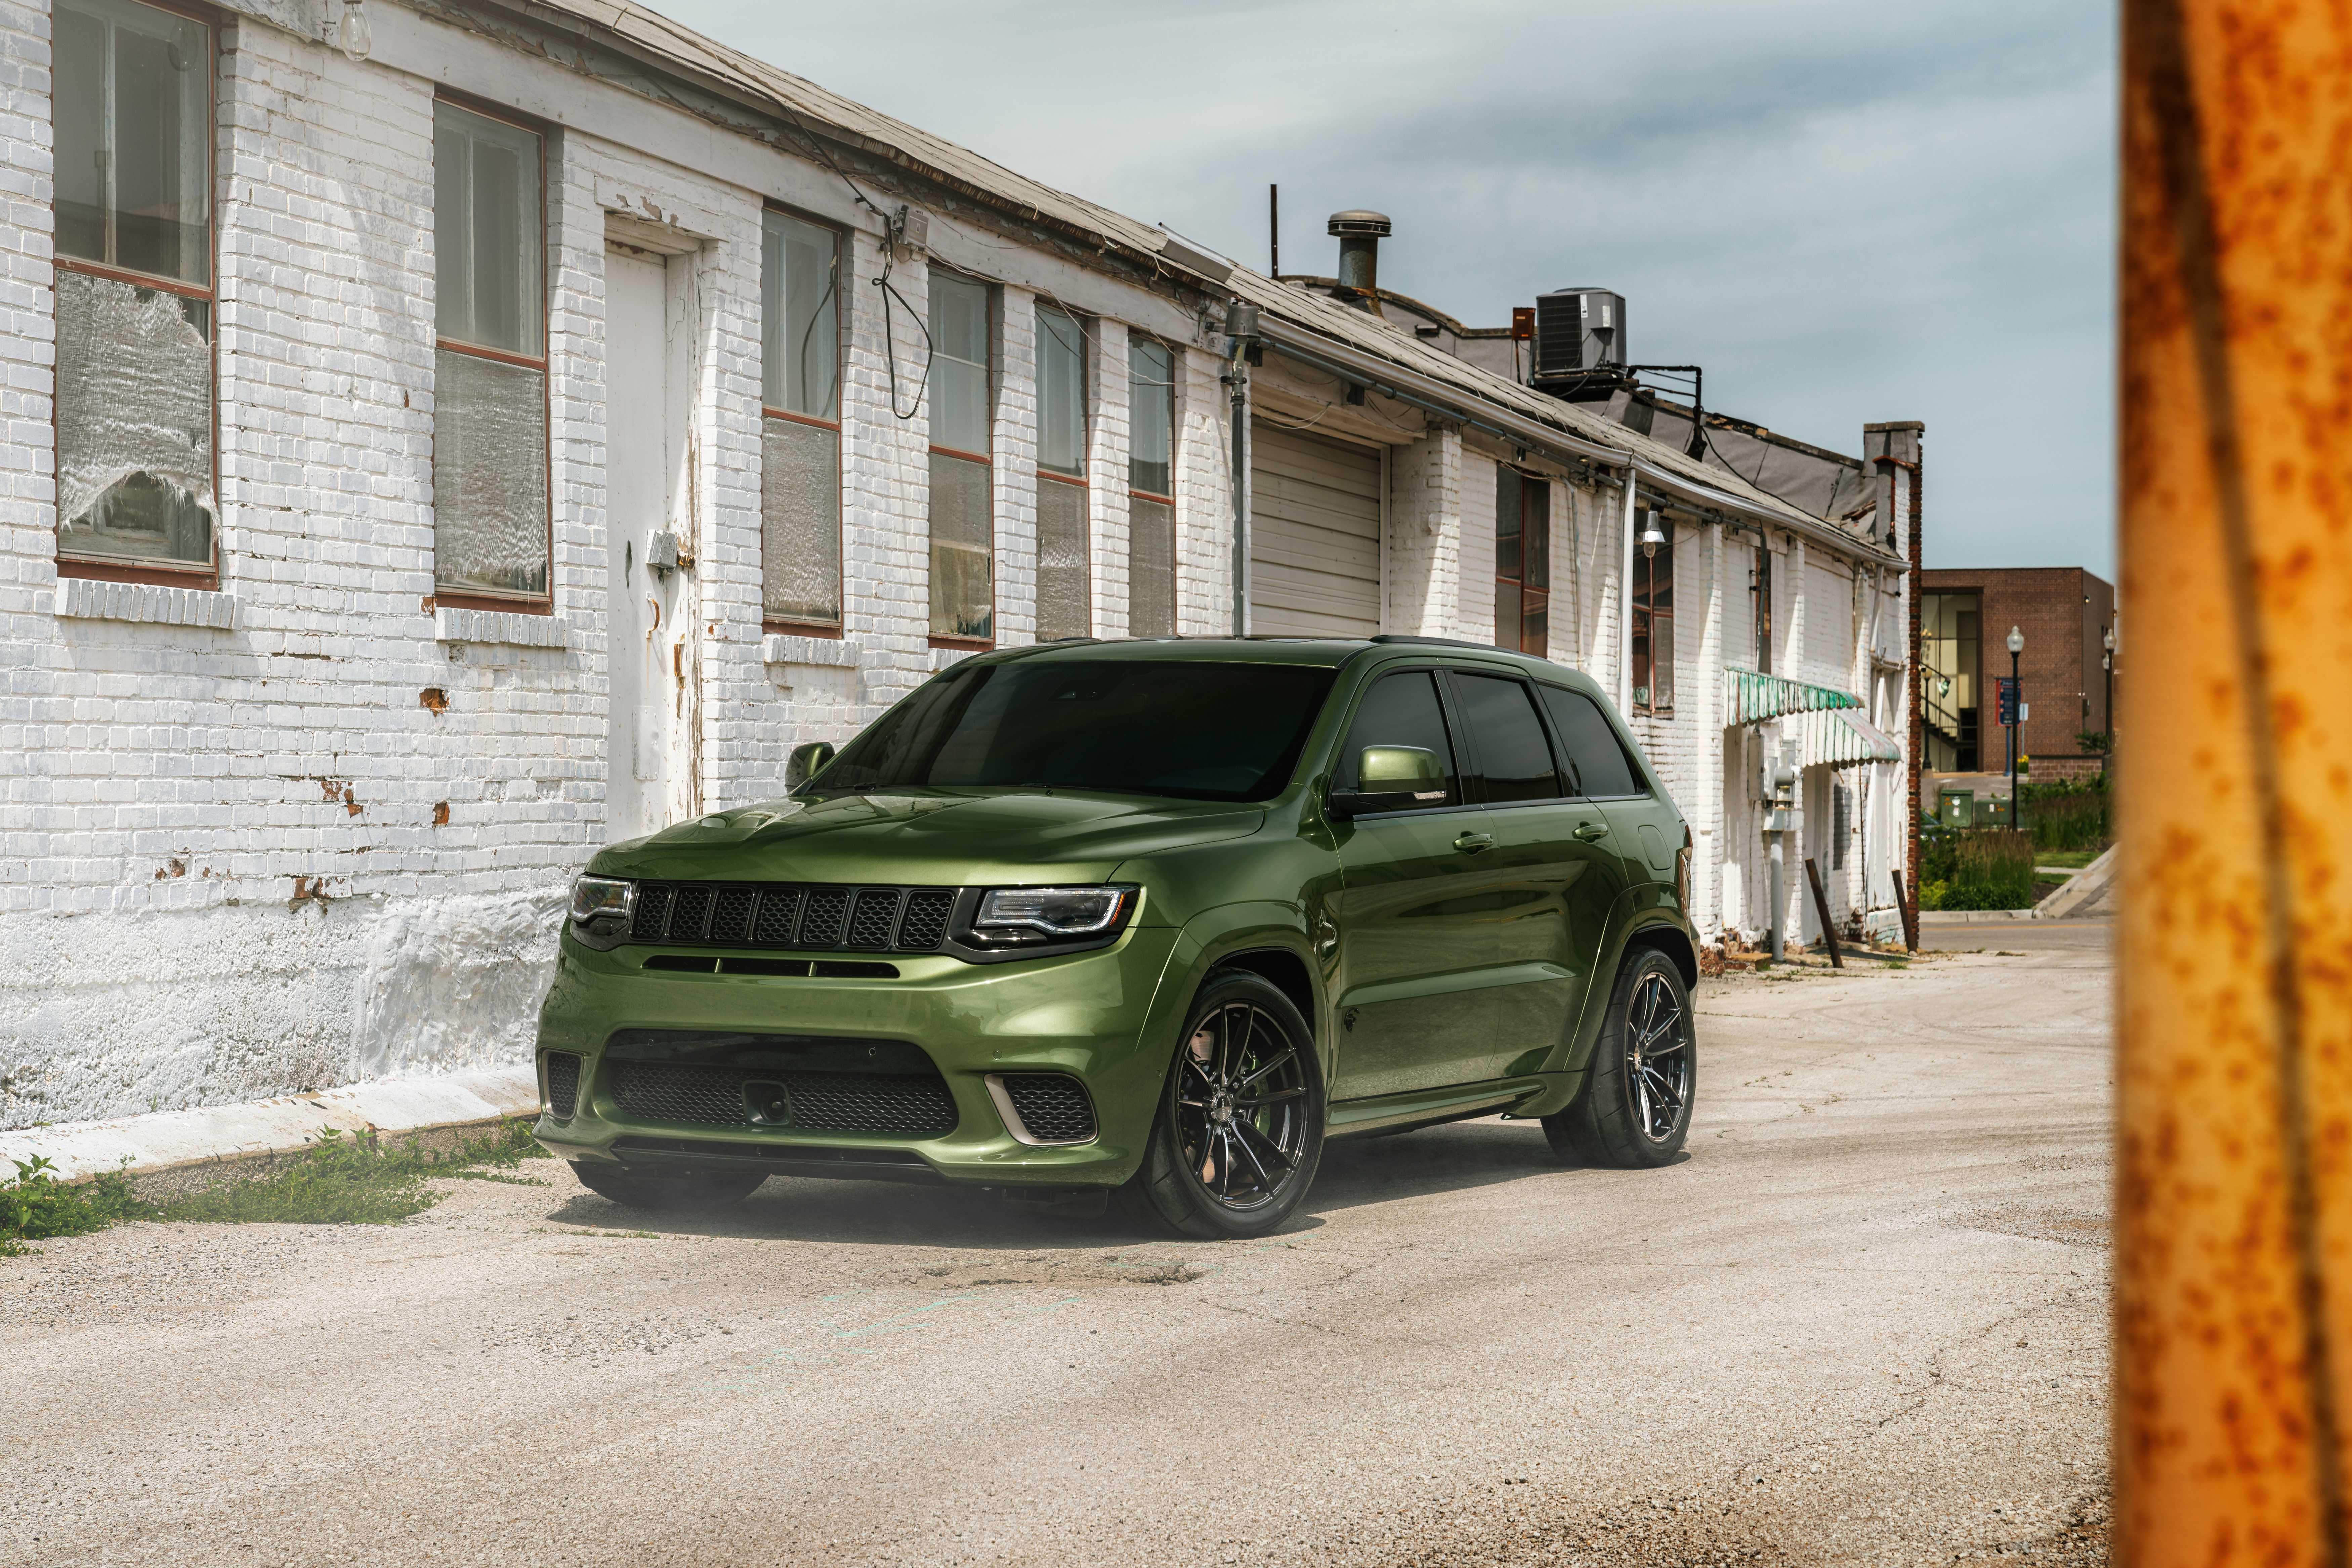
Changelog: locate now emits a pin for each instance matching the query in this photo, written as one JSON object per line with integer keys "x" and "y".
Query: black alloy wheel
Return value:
{"x": 1240, "y": 1130}
{"x": 1634, "y": 1109}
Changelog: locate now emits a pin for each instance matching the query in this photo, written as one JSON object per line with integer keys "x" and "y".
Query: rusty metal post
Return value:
{"x": 2234, "y": 1304}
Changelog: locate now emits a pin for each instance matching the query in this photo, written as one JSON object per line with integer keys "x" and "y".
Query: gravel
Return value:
{"x": 1864, "y": 1322}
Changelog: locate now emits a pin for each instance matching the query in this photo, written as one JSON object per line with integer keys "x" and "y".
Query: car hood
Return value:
{"x": 929, "y": 838}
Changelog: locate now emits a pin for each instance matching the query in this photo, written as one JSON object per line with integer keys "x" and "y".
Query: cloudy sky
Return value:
{"x": 1844, "y": 210}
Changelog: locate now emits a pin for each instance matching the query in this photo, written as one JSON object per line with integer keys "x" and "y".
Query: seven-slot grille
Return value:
{"x": 787, "y": 915}
{"x": 1053, "y": 1107}
{"x": 562, "y": 1084}
{"x": 900, "y": 1105}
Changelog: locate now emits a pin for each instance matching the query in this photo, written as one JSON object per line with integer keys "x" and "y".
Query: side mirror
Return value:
{"x": 806, "y": 762}
{"x": 1392, "y": 778}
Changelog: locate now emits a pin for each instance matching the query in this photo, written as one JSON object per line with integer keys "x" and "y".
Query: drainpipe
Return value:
{"x": 1240, "y": 330}
{"x": 1625, "y": 603}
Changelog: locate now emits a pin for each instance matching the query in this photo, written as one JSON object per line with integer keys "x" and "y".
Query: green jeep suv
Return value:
{"x": 1150, "y": 918}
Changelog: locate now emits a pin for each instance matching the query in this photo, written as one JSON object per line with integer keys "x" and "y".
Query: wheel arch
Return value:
{"x": 1669, "y": 939}
{"x": 1285, "y": 970}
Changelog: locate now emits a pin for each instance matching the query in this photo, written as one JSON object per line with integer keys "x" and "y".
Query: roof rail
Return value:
{"x": 1439, "y": 641}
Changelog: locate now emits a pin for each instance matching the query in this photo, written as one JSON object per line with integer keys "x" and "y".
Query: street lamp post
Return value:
{"x": 2016, "y": 711}
{"x": 2107, "y": 665}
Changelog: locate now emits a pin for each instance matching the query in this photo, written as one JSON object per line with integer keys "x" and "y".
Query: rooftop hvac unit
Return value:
{"x": 1579, "y": 330}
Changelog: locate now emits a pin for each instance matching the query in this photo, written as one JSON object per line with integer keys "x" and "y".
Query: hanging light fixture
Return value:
{"x": 353, "y": 34}
{"x": 1653, "y": 536}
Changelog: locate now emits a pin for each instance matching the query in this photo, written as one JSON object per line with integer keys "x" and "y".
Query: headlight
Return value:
{"x": 603, "y": 898}
{"x": 1031, "y": 914}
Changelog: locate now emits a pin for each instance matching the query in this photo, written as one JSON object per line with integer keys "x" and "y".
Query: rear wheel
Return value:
{"x": 1634, "y": 1110}
{"x": 1240, "y": 1128}
{"x": 687, "y": 1189}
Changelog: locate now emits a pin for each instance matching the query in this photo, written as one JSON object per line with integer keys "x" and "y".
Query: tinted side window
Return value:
{"x": 1400, "y": 710}
{"x": 1600, "y": 762}
{"x": 1507, "y": 739}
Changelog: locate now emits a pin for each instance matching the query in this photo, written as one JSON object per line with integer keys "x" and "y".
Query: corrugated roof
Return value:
{"x": 653, "y": 35}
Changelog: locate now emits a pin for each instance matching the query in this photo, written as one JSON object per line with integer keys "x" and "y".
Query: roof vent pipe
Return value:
{"x": 1359, "y": 233}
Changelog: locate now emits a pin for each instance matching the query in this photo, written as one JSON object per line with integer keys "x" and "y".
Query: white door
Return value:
{"x": 1315, "y": 535}
{"x": 650, "y": 648}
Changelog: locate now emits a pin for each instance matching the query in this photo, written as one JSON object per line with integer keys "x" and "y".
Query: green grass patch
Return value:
{"x": 1982, "y": 868}
{"x": 338, "y": 1180}
{"x": 2071, "y": 859}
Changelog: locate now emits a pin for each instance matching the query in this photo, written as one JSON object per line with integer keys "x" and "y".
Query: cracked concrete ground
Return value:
{"x": 1862, "y": 1323}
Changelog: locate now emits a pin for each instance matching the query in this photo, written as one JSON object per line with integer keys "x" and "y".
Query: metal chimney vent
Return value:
{"x": 1579, "y": 330}
{"x": 1360, "y": 232}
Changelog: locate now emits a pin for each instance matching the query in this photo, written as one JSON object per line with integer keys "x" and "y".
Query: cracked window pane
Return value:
{"x": 134, "y": 423}
{"x": 962, "y": 549}
{"x": 134, "y": 93}
{"x": 489, "y": 475}
{"x": 799, "y": 512}
{"x": 1150, "y": 569}
{"x": 1063, "y": 607}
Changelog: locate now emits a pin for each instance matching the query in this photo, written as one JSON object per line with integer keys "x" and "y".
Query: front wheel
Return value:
{"x": 1240, "y": 1129}
{"x": 1634, "y": 1110}
{"x": 687, "y": 1189}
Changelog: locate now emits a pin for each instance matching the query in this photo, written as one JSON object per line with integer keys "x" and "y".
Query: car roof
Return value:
{"x": 1316, "y": 653}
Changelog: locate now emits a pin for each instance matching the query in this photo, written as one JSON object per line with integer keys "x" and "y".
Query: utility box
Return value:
{"x": 1957, "y": 808}
{"x": 1992, "y": 812}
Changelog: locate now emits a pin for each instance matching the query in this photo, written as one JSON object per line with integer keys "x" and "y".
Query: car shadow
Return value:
{"x": 1456, "y": 1157}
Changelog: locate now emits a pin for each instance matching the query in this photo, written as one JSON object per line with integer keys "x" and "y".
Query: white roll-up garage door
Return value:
{"x": 1315, "y": 535}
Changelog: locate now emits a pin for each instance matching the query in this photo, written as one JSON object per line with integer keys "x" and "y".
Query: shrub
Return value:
{"x": 34, "y": 1205}
{"x": 1984, "y": 868}
{"x": 2069, "y": 816}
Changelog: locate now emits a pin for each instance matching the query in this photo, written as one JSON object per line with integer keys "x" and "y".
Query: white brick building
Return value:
{"x": 357, "y": 410}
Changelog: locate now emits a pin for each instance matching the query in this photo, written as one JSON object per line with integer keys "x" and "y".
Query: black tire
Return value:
{"x": 1240, "y": 1128}
{"x": 1634, "y": 1110}
{"x": 687, "y": 1189}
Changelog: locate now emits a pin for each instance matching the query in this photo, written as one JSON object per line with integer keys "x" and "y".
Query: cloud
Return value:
{"x": 1845, "y": 211}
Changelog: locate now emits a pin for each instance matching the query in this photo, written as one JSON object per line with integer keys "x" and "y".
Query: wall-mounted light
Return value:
{"x": 353, "y": 34}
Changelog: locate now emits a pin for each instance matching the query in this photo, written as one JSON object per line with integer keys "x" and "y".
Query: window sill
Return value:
{"x": 453, "y": 624}
{"x": 95, "y": 598}
{"x": 946, "y": 654}
{"x": 831, "y": 653}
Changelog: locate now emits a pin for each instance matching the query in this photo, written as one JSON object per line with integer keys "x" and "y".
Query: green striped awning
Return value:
{"x": 1842, "y": 740}
{"x": 1752, "y": 697}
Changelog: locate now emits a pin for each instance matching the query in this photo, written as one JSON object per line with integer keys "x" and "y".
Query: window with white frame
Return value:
{"x": 800, "y": 435}
{"x": 962, "y": 503}
{"x": 490, "y": 524}
{"x": 135, "y": 425}
{"x": 1064, "y": 601}
{"x": 1151, "y": 489}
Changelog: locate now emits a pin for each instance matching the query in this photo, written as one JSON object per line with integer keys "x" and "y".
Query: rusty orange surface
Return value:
{"x": 2234, "y": 1186}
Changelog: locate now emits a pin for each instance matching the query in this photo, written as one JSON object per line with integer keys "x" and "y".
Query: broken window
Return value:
{"x": 1065, "y": 607}
{"x": 1151, "y": 494}
{"x": 489, "y": 418}
{"x": 134, "y": 323}
{"x": 1653, "y": 620}
{"x": 799, "y": 443}
{"x": 961, "y": 501}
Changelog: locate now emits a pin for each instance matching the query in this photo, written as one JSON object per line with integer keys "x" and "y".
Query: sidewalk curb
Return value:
{"x": 1970, "y": 916}
{"x": 2079, "y": 889}
{"x": 183, "y": 1149}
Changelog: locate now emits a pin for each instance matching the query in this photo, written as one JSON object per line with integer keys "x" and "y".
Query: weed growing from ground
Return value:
{"x": 35, "y": 1206}
{"x": 338, "y": 1180}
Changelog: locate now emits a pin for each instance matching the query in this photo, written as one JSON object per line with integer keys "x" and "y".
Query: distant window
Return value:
{"x": 1399, "y": 710}
{"x": 489, "y": 396}
{"x": 800, "y": 435}
{"x": 1522, "y": 561}
{"x": 1514, "y": 759}
{"x": 1654, "y": 624}
{"x": 134, "y": 291}
{"x": 1065, "y": 581}
{"x": 962, "y": 501}
{"x": 1589, "y": 741}
{"x": 1151, "y": 492}
{"x": 1949, "y": 673}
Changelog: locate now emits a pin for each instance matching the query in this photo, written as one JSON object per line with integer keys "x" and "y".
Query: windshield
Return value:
{"x": 1199, "y": 731}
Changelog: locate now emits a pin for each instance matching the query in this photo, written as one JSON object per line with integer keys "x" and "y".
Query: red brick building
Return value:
{"x": 1965, "y": 618}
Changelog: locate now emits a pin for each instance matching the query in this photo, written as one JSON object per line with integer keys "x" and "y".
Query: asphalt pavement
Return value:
{"x": 1862, "y": 1323}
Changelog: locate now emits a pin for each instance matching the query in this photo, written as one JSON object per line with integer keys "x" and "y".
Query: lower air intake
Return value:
{"x": 895, "y": 1105}
{"x": 1053, "y": 1107}
{"x": 562, "y": 1084}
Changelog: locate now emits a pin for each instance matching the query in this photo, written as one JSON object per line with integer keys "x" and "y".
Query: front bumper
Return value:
{"x": 1106, "y": 1017}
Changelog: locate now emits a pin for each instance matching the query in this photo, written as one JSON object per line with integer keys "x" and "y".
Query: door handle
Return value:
{"x": 1587, "y": 832}
{"x": 1471, "y": 844}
